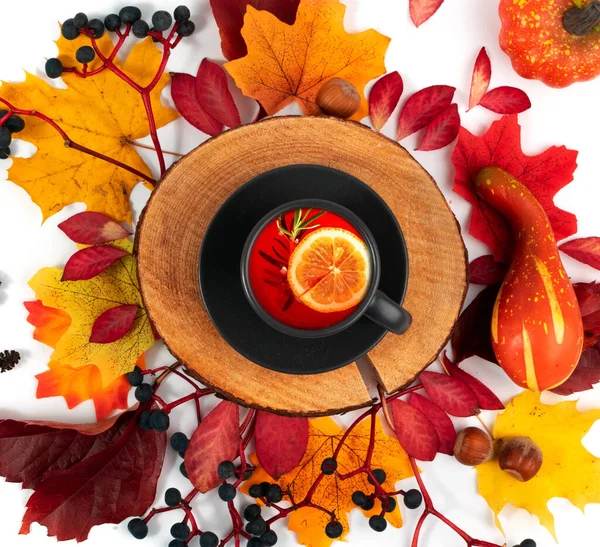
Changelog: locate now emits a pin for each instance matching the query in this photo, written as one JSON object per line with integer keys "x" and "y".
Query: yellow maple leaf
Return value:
{"x": 102, "y": 113}
{"x": 332, "y": 493}
{"x": 84, "y": 301}
{"x": 290, "y": 63}
{"x": 568, "y": 471}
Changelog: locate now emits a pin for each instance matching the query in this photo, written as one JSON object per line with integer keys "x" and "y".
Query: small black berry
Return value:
{"x": 226, "y": 470}
{"x": 359, "y": 498}
{"x": 389, "y": 504}
{"x": 255, "y": 491}
{"x": 172, "y": 497}
{"x": 112, "y": 22}
{"x": 252, "y": 512}
{"x": 130, "y": 14}
{"x": 264, "y": 486}
{"x": 528, "y": 543}
{"x": 180, "y": 530}
{"x": 135, "y": 377}
{"x": 413, "y": 499}
{"x": 177, "y": 543}
{"x": 144, "y": 393}
{"x": 5, "y": 137}
{"x": 334, "y": 530}
{"x": 140, "y": 29}
{"x": 370, "y": 503}
{"x": 162, "y": 20}
{"x": 4, "y": 153}
{"x": 274, "y": 493}
{"x": 269, "y": 538}
{"x": 160, "y": 420}
{"x": 208, "y": 539}
{"x": 54, "y": 68}
{"x": 181, "y": 14}
{"x": 97, "y": 27}
{"x": 179, "y": 442}
{"x": 186, "y": 29}
{"x": 85, "y": 54}
{"x": 137, "y": 528}
{"x": 15, "y": 124}
{"x": 183, "y": 470}
{"x": 379, "y": 475}
{"x": 69, "y": 30}
{"x": 378, "y": 523}
{"x": 256, "y": 527}
{"x": 80, "y": 20}
{"x": 328, "y": 466}
{"x": 254, "y": 542}
{"x": 145, "y": 420}
{"x": 227, "y": 492}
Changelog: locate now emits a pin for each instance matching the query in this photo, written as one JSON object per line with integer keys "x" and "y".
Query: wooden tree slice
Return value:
{"x": 174, "y": 222}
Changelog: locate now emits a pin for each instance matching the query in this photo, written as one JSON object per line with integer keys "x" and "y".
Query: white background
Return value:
{"x": 441, "y": 52}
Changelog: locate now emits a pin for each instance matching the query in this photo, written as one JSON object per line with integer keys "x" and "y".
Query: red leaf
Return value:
{"x": 442, "y": 130}
{"x": 486, "y": 271}
{"x": 90, "y": 228}
{"x": 280, "y": 442}
{"x": 85, "y": 481}
{"x": 440, "y": 420}
{"x": 471, "y": 334}
{"x": 91, "y": 261}
{"x": 215, "y": 440}
{"x": 485, "y": 397}
{"x": 113, "y": 324}
{"x": 480, "y": 82}
{"x": 384, "y": 98}
{"x": 584, "y": 249}
{"x": 422, "y": 10}
{"x": 212, "y": 92}
{"x": 422, "y": 108}
{"x": 229, "y": 15}
{"x": 588, "y": 296}
{"x": 544, "y": 174}
{"x": 415, "y": 432}
{"x": 450, "y": 394}
{"x": 585, "y": 375}
{"x": 506, "y": 100}
{"x": 183, "y": 91}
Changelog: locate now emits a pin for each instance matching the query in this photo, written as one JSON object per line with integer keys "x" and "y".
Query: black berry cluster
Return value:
{"x": 271, "y": 492}
{"x": 258, "y": 528}
{"x": 9, "y": 359}
{"x": 12, "y": 124}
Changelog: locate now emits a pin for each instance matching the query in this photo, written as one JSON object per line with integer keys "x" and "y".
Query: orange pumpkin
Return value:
{"x": 537, "y": 333}
{"x": 557, "y": 42}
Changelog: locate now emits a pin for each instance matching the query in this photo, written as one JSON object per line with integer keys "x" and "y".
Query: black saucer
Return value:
{"x": 221, "y": 284}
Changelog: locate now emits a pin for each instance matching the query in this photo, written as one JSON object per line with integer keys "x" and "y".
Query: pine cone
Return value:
{"x": 9, "y": 359}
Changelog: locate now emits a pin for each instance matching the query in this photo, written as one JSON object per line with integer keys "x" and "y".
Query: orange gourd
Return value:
{"x": 537, "y": 333}
{"x": 557, "y": 42}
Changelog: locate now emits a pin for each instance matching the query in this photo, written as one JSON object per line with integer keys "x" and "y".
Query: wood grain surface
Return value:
{"x": 174, "y": 222}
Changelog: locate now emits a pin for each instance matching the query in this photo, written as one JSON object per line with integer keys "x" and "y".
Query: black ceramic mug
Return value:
{"x": 376, "y": 305}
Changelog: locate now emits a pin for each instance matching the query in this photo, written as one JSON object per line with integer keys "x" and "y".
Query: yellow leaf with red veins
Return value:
{"x": 287, "y": 63}
{"x": 83, "y": 302}
{"x": 568, "y": 469}
{"x": 101, "y": 112}
{"x": 334, "y": 494}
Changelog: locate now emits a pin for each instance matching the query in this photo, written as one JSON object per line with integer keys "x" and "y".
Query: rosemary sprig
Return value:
{"x": 302, "y": 221}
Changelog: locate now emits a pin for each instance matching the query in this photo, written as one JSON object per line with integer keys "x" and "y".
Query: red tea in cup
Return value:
{"x": 309, "y": 269}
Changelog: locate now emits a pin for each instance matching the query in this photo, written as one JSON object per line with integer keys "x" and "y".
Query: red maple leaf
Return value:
{"x": 544, "y": 174}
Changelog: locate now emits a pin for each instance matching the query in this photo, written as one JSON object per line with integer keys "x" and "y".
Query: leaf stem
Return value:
{"x": 139, "y": 145}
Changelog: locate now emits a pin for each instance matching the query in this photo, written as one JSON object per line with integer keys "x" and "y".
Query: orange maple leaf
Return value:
{"x": 102, "y": 113}
{"x": 287, "y": 63}
{"x": 332, "y": 493}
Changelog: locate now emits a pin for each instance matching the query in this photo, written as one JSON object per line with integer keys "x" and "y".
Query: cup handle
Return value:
{"x": 387, "y": 313}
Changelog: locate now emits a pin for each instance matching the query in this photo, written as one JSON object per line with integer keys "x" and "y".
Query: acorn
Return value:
{"x": 473, "y": 446}
{"x": 338, "y": 98}
{"x": 521, "y": 458}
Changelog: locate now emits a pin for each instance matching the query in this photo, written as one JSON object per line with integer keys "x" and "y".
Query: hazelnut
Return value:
{"x": 338, "y": 98}
{"x": 521, "y": 458}
{"x": 473, "y": 446}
